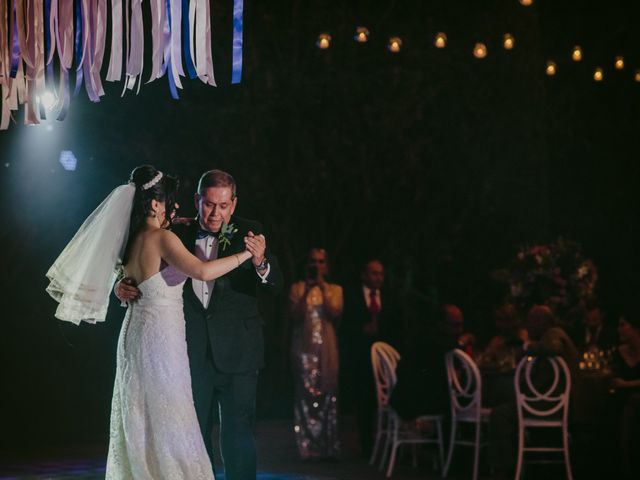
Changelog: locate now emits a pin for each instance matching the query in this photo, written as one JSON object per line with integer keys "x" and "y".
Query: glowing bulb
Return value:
{"x": 598, "y": 75}
{"x": 362, "y": 35}
{"x": 508, "y": 41}
{"x": 441, "y": 40}
{"x": 636, "y": 77}
{"x": 526, "y": 3}
{"x": 551, "y": 68}
{"x": 619, "y": 63}
{"x": 480, "y": 50}
{"x": 395, "y": 44}
{"x": 324, "y": 41}
{"x": 576, "y": 55}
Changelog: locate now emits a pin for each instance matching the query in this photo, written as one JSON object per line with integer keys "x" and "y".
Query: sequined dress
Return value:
{"x": 315, "y": 367}
{"x": 154, "y": 428}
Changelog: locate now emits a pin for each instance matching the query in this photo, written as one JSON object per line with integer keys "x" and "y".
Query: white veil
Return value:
{"x": 83, "y": 275}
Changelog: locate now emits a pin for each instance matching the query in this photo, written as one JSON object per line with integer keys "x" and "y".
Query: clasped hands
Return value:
{"x": 127, "y": 291}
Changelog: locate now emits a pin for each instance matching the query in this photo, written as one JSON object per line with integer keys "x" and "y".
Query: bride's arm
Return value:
{"x": 173, "y": 251}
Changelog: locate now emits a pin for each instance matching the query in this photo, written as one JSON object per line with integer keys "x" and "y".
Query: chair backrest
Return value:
{"x": 542, "y": 387}
{"x": 384, "y": 359}
{"x": 465, "y": 384}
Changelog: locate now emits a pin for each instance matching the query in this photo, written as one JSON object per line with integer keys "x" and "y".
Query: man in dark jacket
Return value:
{"x": 369, "y": 316}
{"x": 223, "y": 325}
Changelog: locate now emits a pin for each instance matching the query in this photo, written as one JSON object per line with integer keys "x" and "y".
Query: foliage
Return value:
{"x": 555, "y": 274}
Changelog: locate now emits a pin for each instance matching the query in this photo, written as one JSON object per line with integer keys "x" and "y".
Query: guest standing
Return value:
{"x": 627, "y": 398}
{"x": 316, "y": 306}
{"x": 370, "y": 315}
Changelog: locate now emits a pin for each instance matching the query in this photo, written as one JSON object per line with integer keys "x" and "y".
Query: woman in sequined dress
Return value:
{"x": 316, "y": 306}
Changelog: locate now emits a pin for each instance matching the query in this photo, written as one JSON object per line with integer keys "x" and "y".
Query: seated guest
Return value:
{"x": 543, "y": 338}
{"x": 592, "y": 332}
{"x": 627, "y": 385}
{"x": 452, "y": 326}
{"x": 421, "y": 386}
{"x": 504, "y": 347}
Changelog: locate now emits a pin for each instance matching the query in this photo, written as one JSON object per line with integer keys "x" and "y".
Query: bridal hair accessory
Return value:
{"x": 83, "y": 275}
{"x": 153, "y": 181}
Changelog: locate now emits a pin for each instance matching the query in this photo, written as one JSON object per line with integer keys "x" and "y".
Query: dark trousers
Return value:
{"x": 233, "y": 395}
{"x": 366, "y": 403}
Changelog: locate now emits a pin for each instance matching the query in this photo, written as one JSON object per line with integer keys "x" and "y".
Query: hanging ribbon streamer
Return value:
{"x": 115, "y": 62}
{"x": 236, "y": 72}
{"x": 168, "y": 53}
{"x": 78, "y": 43}
{"x": 37, "y": 34}
{"x": 186, "y": 43}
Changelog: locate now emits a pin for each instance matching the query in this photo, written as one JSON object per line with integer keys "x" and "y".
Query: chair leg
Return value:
{"x": 567, "y": 460}
{"x": 414, "y": 455}
{"x": 452, "y": 441}
{"x": 394, "y": 450}
{"x": 440, "y": 443}
{"x": 390, "y": 431}
{"x": 520, "y": 452}
{"x": 379, "y": 432}
{"x": 476, "y": 453}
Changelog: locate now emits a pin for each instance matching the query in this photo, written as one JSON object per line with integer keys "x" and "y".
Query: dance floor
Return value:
{"x": 277, "y": 459}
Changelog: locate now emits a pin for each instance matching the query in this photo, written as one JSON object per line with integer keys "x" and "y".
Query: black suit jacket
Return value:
{"x": 230, "y": 329}
{"x": 356, "y": 314}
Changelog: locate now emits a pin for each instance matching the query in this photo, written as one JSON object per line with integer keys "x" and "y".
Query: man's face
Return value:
{"x": 215, "y": 206}
{"x": 373, "y": 275}
{"x": 593, "y": 318}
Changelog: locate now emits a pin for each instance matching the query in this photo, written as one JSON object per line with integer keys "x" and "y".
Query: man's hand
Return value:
{"x": 257, "y": 245}
{"x": 126, "y": 290}
{"x": 181, "y": 220}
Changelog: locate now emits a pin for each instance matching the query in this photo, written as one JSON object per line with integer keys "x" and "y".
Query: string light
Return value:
{"x": 526, "y": 3}
{"x": 576, "y": 55}
{"x": 551, "y": 68}
{"x": 508, "y": 41}
{"x": 480, "y": 50}
{"x": 636, "y": 77}
{"x": 598, "y": 75}
{"x": 619, "y": 63}
{"x": 362, "y": 35}
{"x": 441, "y": 40}
{"x": 394, "y": 45}
{"x": 324, "y": 41}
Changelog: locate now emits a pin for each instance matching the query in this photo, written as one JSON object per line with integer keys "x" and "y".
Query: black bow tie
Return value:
{"x": 205, "y": 233}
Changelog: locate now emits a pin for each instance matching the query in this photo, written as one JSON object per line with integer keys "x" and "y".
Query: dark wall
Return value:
{"x": 437, "y": 162}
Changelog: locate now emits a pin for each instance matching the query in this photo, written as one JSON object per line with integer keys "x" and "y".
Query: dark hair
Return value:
{"x": 164, "y": 190}
{"x": 216, "y": 178}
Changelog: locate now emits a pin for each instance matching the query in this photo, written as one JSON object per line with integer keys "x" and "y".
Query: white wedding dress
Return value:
{"x": 154, "y": 428}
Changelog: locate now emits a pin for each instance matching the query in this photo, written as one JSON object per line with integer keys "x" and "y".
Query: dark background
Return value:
{"x": 439, "y": 163}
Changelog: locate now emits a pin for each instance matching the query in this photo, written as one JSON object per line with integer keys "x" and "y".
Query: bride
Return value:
{"x": 154, "y": 430}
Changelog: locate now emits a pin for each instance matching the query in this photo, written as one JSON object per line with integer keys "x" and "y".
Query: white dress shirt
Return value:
{"x": 207, "y": 249}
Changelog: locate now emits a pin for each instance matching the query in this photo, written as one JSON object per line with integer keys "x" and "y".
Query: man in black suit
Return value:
{"x": 367, "y": 318}
{"x": 223, "y": 325}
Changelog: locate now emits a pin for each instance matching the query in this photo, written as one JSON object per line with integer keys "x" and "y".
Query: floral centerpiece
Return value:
{"x": 555, "y": 274}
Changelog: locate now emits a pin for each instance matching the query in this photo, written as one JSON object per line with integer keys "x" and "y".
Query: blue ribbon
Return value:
{"x": 15, "y": 48}
{"x": 78, "y": 46}
{"x": 191, "y": 69}
{"x": 236, "y": 73}
{"x": 47, "y": 39}
{"x": 172, "y": 83}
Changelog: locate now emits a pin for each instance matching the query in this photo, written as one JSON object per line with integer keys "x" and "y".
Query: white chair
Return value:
{"x": 465, "y": 394}
{"x": 384, "y": 359}
{"x": 401, "y": 432}
{"x": 542, "y": 409}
